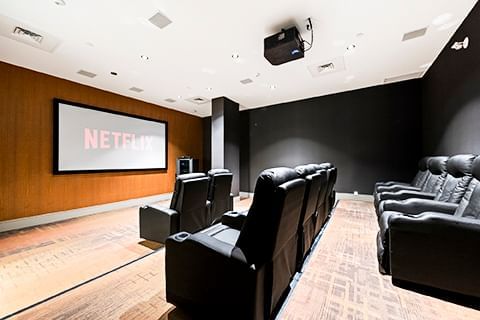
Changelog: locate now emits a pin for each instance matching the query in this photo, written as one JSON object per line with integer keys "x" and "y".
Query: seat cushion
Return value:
{"x": 223, "y": 233}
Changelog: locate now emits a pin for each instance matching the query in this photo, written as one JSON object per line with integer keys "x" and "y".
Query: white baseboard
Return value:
{"x": 245, "y": 195}
{"x": 26, "y": 222}
{"x": 358, "y": 197}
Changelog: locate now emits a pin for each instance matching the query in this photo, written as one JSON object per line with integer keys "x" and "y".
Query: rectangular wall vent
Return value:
{"x": 135, "y": 89}
{"x": 170, "y": 100}
{"x": 403, "y": 77}
{"x": 414, "y": 34}
{"x": 160, "y": 20}
{"x": 86, "y": 73}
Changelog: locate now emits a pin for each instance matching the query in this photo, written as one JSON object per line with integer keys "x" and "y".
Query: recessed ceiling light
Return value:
{"x": 144, "y": 57}
{"x": 442, "y": 19}
{"x": 60, "y": 2}
{"x": 351, "y": 47}
{"x": 273, "y": 87}
{"x": 179, "y": 97}
{"x": 113, "y": 73}
{"x": 235, "y": 56}
{"x": 257, "y": 75}
{"x": 209, "y": 88}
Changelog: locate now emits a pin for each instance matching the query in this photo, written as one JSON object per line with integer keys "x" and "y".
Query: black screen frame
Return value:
{"x": 56, "y": 128}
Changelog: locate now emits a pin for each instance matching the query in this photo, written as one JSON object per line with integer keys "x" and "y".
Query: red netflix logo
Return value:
{"x": 104, "y": 139}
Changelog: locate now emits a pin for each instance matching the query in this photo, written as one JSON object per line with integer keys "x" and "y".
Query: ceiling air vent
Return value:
{"x": 170, "y": 100}
{"x": 18, "y": 31}
{"x": 198, "y": 100}
{"x": 160, "y": 20}
{"x": 414, "y": 34}
{"x": 86, "y": 73}
{"x": 403, "y": 77}
{"x": 135, "y": 89}
{"x": 327, "y": 67}
{"x": 246, "y": 81}
{"x": 32, "y": 36}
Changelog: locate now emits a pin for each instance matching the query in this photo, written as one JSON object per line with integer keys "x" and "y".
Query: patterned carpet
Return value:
{"x": 39, "y": 262}
{"x": 340, "y": 281}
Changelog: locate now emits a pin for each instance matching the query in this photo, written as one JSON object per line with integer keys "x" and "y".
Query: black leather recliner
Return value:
{"x": 416, "y": 184}
{"x": 324, "y": 197}
{"x": 187, "y": 210}
{"x": 220, "y": 198}
{"x": 459, "y": 175}
{"x": 306, "y": 228}
{"x": 240, "y": 268}
{"x": 437, "y": 167}
{"x": 452, "y": 191}
{"x": 440, "y": 250}
{"x": 332, "y": 179}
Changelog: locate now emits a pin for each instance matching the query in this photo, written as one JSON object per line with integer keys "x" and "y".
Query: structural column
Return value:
{"x": 226, "y": 138}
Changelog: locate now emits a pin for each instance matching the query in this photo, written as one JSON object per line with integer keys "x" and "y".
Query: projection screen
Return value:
{"x": 90, "y": 139}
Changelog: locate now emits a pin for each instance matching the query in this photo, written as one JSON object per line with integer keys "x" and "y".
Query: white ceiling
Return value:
{"x": 194, "y": 53}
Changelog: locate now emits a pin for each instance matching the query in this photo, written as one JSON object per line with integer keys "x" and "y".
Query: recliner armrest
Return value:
{"x": 234, "y": 219}
{"x": 389, "y": 183}
{"x": 405, "y": 194}
{"x": 417, "y": 206}
{"x": 158, "y": 223}
{"x": 436, "y": 250}
{"x": 206, "y": 275}
{"x": 163, "y": 210}
{"x": 396, "y": 187}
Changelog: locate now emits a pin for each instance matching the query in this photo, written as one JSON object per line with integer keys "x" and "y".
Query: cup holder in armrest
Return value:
{"x": 181, "y": 236}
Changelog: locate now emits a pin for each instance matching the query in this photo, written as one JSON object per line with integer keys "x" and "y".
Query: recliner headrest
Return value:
{"x": 437, "y": 165}
{"x": 305, "y": 170}
{"x": 212, "y": 172}
{"x": 188, "y": 176}
{"x": 423, "y": 164}
{"x": 315, "y": 165}
{"x": 476, "y": 168}
{"x": 271, "y": 178}
{"x": 460, "y": 165}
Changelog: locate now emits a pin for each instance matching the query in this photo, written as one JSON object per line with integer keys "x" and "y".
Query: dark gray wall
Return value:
{"x": 451, "y": 95}
{"x": 370, "y": 134}
{"x": 207, "y": 144}
{"x": 225, "y": 143}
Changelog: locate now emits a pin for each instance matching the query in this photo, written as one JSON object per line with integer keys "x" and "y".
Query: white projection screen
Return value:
{"x": 90, "y": 139}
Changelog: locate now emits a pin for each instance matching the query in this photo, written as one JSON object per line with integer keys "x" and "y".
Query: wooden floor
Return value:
{"x": 340, "y": 281}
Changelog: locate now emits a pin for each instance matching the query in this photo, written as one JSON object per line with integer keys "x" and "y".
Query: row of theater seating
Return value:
{"x": 430, "y": 229}
{"x": 198, "y": 201}
{"x": 241, "y": 267}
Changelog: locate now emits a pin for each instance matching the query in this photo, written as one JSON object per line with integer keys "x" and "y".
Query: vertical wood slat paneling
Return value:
{"x": 27, "y": 185}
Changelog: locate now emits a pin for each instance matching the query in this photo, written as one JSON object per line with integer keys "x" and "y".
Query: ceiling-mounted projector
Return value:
{"x": 284, "y": 46}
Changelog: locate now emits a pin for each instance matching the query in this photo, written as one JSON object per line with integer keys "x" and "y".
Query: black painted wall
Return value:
{"x": 207, "y": 144}
{"x": 370, "y": 134}
{"x": 451, "y": 95}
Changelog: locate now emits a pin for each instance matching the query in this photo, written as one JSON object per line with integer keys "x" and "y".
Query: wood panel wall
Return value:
{"x": 27, "y": 185}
